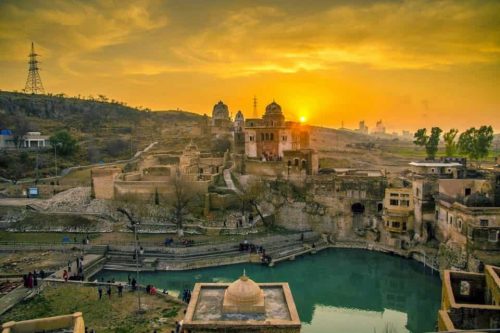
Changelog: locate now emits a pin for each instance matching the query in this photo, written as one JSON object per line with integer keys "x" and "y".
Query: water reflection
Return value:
{"x": 335, "y": 290}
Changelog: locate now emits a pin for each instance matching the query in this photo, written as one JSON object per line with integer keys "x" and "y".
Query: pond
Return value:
{"x": 336, "y": 290}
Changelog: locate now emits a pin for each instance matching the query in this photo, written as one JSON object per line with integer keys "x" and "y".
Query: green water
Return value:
{"x": 336, "y": 290}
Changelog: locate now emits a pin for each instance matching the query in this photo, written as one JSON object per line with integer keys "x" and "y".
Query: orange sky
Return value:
{"x": 411, "y": 63}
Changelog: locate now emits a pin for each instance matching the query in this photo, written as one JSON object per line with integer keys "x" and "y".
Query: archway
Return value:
{"x": 358, "y": 210}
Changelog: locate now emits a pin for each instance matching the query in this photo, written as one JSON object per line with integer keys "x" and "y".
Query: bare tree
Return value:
{"x": 253, "y": 194}
{"x": 182, "y": 198}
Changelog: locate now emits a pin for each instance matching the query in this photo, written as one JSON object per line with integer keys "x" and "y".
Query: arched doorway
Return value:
{"x": 358, "y": 210}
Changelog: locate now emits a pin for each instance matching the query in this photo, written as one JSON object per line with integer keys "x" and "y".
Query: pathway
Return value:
{"x": 12, "y": 298}
{"x": 229, "y": 182}
{"x": 87, "y": 260}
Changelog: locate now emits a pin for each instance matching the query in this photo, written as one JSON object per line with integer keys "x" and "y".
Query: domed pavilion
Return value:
{"x": 241, "y": 306}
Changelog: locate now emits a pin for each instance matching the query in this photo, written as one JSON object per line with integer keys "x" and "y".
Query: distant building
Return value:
{"x": 470, "y": 301}
{"x": 362, "y": 127}
{"x": 29, "y": 140}
{"x": 242, "y": 306}
{"x": 379, "y": 128}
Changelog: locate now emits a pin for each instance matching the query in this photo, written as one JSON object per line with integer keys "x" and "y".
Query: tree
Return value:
{"x": 430, "y": 142}
{"x": 66, "y": 144}
{"x": 181, "y": 202}
{"x": 449, "y": 141}
{"x": 253, "y": 194}
{"x": 475, "y": 143}
{"x": 21, "y": 126}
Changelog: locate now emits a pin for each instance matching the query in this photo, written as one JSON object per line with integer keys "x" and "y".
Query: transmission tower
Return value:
{"x": 255, "y": 107}
{"x": 34, "y": 82}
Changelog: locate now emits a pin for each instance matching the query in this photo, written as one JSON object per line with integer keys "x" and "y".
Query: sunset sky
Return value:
{"x": 411, "y": 63}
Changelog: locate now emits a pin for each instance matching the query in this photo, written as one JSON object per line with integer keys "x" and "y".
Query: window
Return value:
{"x": 267, "y": 136}
{"x": 271, "y": 136}
{"x": 396, "y": 224}
{"x": 432, "y": 170}
{"x": 459, "y": 224}
{"x": 283, "y": 138}
{"x": 450, "y": 221}
{"x": 393, "y": 202}
{"x": 404, "y": 203}
{"x": 404, "y": 226}
{"x": 418, "y": 192}
{"x": 262, "y": 136}
{"x": 493, "y": 236}
{"x": 483, "y": 223}
{"x": 467, "y": 191}
{"x": 251, "y": 137}
{"x": 386, "y": 223}
{"x": 437, "y": 214}
{"x": 464, "y": 288}
{"x": 394, "y": 195}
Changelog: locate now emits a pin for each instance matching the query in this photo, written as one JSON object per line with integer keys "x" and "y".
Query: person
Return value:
{"x": 129, "y": 279}
{"x": 120, "y": 290}
{"x": 165, "y": 291}
{"x": 224, "y": 222}
{"x": 65, "y": 276}
{"x": 152, "y": 291}
{"x": 25, "y": 281}
{"x": 69, "y": 265}
{"x": 42, "y": 274}
{"x": 77, "y": 263}
{"x": 99, "y": 290}
{"x": 148, "y": 289}
{"x": 134, "y": 284}
{"x": 177, "y": 327}
{"x": 35, "y": 279}
{"x": 302, "y": 237}
{"x": 109, "y": 291}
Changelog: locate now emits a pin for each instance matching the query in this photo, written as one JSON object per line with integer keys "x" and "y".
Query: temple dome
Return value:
{"x": 273, "y": 108}
{"x": 220, "y": 111}
{"x": 239, "y": 116}
{"x": 243, "y": 295}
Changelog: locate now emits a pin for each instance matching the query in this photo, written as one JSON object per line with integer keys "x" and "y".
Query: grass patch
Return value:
{"x": 117, "y": 314}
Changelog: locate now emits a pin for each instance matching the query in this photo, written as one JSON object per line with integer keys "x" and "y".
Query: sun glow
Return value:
{"x": 303, "y": 119}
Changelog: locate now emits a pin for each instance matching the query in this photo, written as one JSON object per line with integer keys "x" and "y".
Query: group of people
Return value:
{"x": 186, "y": 295}
{"x": 30, "y": 280}
{"x": 151, "y": 290}
{"x": 108, "y": 290}
{"x": 78, "y": 274}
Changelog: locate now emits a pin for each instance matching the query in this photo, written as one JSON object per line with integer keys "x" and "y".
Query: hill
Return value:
{"x": 106, "y": 130}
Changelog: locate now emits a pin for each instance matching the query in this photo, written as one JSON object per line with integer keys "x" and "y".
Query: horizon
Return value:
{"x": 437, "y": 63}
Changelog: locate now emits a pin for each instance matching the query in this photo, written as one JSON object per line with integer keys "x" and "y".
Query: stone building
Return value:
{"x": 242, "y": 306}
{"x": 465, "y": 213}
{"x": 267, "y": 138}
{"x": 424, "y": 179}
{"x": 156, "y": 173}
{"x": 398, "y": 210}
{"x": 221, "y": 123}
{"x": 470, "y": 300}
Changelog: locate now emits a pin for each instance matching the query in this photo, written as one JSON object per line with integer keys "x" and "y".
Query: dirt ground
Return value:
{"x": 22, "y": 262}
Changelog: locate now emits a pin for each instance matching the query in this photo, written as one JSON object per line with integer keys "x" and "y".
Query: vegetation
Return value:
{"x": 105, "y": 130}
{"x": 115, "y": 314}
{"x": 450, "y": 144}
{"x": 430, "y": 142}
{"x": 475, "y": 143}
{"x": 63, "y": 141}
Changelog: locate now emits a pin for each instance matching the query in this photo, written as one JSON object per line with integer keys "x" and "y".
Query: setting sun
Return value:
{"x": 303, "y": 119}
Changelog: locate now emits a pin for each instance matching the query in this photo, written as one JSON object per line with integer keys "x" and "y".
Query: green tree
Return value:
{"x": 66, "y": 144}
{"x": 449, "y": 141}
{"x": 475, "y": 143}
{"x": 430, "y": 142}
